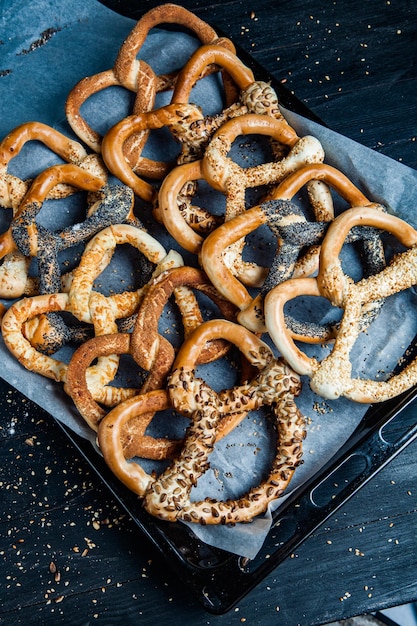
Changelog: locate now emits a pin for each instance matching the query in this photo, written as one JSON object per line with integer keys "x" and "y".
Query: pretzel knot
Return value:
{"x": 233, "y": 180}
{"x": 332, "y": 377}
{"x": 134, "y": 414}
{"x": 168, "y": 497}
{"x": 137, "y": 76}
{"x": 127, "y": 66}
{"x": 15, "y": 339}
{"x": 298, "y": 242}
{"x": 175, "y": 117}
{"x": 13, "y": 189}
{"x": 149, "y": 349}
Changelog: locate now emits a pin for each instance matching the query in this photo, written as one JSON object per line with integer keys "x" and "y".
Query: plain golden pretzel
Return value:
{"x": 13, "y": 189}
{"x": 127, "y": 67}
{"x": 111, "y": 435}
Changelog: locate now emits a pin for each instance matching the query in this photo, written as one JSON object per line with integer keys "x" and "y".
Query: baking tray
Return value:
{"x": 219, "y": 579}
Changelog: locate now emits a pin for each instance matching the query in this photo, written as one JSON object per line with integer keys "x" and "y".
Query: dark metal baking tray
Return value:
{"x": 219, "y": 579}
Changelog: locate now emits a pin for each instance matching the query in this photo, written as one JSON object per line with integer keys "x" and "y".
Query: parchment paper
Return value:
{"x": 47, "y": 47}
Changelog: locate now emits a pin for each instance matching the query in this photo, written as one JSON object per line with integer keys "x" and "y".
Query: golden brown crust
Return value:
{"x": 275, "y": 384}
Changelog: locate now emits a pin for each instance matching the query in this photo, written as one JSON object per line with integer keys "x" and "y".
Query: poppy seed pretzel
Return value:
{"x": 331, "y": 378}
{"x": 114, "y": 204}
{"x": 14, "y": 279}
{"x": 224, "y": 175}
{"x": 168, "y": 497}
{"x": 294, "y": 236}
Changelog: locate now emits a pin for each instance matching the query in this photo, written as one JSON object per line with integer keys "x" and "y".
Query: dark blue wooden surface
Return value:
{"x": 68, "y": 554}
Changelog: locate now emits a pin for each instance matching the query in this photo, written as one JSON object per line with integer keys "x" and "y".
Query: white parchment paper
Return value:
{"x": 83, "y": 38}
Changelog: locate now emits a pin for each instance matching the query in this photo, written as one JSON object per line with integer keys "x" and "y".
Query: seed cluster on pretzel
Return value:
{"x": 168, "y": 496}
{"x": 332, "y": 377}
{"x": 223, "y": 301}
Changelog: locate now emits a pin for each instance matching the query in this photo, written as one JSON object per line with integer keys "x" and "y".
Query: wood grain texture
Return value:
{"x": 68, "y": 553}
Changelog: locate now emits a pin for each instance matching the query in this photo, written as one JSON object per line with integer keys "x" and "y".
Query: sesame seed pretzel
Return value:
{"x": 255, "y": 96}
{"x": 176, "y": 211}
{"x": 96, "y": 257}
{"x": 168, "y": 497}
{"x": 174, "y": 117}
{"x": 150, "y": 350}
{"x": 294, "y": 234}
{"x": 331, "y": 377}
{"x": 233, "y": 180}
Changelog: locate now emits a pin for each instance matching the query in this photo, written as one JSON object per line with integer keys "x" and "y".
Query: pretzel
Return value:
{"x": 204, "y": 57}
{"x": 86, "y": 392}
{"x": 25, "y": 309}
{"x": 114, "y": 203}
{"x": 14, "y": 280}
{"x": 127, "y": 67}
{"x": 90, "y": 85}
{"x": 293, "y": 233}
{"x": 97, "y": 255}
{"x": 150, "y": 350}
{"x": 137, "y": 76}
{"x": 187, "y": 226}
{"x": 111, "y": 432}
{"x": 12, "y": 188}
{"x": 79, "y": 388}
{"x": 331, "y": 377}
{"x": 95, "y": 258}
{"x": 168, "y": 497}
{"x": 173, "y": 116}
{"x": 227, "y": 176}
{"x": 255, "y": 97}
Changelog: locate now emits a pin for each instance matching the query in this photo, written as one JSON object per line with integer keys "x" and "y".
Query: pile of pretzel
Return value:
{"x": 56, "y": 308}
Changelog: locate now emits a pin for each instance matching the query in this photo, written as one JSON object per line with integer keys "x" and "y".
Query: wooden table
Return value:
{"x": 68, "y": 552}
